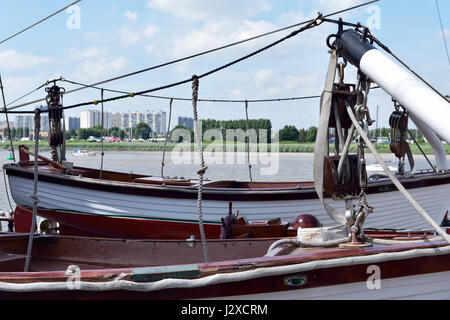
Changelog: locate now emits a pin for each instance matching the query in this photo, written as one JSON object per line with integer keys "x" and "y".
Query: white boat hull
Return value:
{"x": 432, "y": 286}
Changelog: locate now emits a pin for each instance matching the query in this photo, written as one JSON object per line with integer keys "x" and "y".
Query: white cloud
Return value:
{"x": 150, "y": 30}
{"x": 333, "y": 5}
{"x": 17, "y": 85}
{"x": 91, "y": 36}
{"x": 292, "y": 17}
{"x": 217, "y": 33}
{"x": 130, "y": 37}
{"x": 262, "y": 77}
{"x": 308, "y": 83}
{"x": 209, "y": 9}
{"x": 133, "y": 16}
{"x": 236, "y": 94}
{"x": 90, "y": 53}
{"x": 13, "y": 60}
{"x": 446, "y": 33}
{"x": 101, "y": 68}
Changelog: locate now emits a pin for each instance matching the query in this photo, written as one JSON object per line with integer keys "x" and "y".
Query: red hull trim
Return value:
{"x": 79, "y": 224}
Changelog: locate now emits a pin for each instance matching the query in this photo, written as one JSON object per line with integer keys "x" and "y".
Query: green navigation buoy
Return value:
{"x": 10, "y": 156}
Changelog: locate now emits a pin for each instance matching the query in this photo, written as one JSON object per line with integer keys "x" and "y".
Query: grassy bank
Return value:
{"x": 143, "y": 146}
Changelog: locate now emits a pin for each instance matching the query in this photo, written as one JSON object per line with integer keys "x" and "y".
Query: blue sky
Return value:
{"x": 117, "y": 37}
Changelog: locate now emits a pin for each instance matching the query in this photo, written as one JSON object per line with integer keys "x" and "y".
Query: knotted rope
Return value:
{"x": 37, "y": 128}
{"x": 203, "y": 168}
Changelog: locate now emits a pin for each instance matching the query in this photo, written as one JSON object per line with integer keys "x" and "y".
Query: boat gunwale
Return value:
{"x": 212, "y": 190}
{"x": 191, "y": 188}
{"x": 226, "y": 266}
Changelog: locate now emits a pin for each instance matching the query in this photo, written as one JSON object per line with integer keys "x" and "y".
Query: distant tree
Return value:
{"x": 87, "y": 132}
{"x": 121, "y": 134}
{"x": 302, "y": 135}
{"x": 256, "y": 124}
{"x": 142, "y": 131}
{"x": 19, "y": 133}
{"x": 83, "y": 134}
{"x": 73, "y": 133}
{"x": 289, "y": 133}
{"x": 311, "y": 134}
{"x": 114, "y": 131}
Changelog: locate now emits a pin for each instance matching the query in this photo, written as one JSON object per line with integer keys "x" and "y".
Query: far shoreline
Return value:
{"x": 285, "y": 148}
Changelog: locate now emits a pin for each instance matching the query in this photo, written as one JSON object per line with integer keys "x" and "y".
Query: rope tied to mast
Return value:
{"x": 5, "y": 110}
{"x": 203, "y": 168}
{"x": 34, "y": 197}
{"x": 167, "y": 137}
{"x": 248, "y": 146}
{"x": 101, "y": 138}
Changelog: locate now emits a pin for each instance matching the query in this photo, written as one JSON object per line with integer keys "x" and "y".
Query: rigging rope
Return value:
{"x": 208, "y": 51}
{"x": 63, "y": 147}
{"x": 190, "y": 99}
{"x": 248, "y": 146}
{"x": 394, "y": 179}
{"x": 7, "y": 193}
{"x": 443, "y": 32}
{"x": 34, "y": 90}
{"x": 5, "y": 110}
{"x": 310, "y": 25}
{"x": 101, "y": 138}
{"x": 203, "y": 168}
{"x": 40, "y": 21}
{"x": 421, "y": 150}
{"x": 165, "y": 140}
{"x": 34, "y": 197}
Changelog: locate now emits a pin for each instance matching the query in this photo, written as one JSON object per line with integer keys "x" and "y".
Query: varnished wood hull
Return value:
{"x": 424, "y": 275}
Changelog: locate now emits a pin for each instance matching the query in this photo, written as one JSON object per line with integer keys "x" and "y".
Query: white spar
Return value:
{"x": 422, "y": 102}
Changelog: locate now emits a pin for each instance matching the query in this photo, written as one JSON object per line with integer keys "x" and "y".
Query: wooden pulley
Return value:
{"x": 348, "y": 183}
{"x": 342, "y": 92}
{"x": 399, "y": 120}
{"x": 399, "y": 148}
{"x": 399, "y": 128}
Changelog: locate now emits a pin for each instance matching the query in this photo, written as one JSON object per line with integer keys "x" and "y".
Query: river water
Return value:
{"x": 229, "y": 166}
